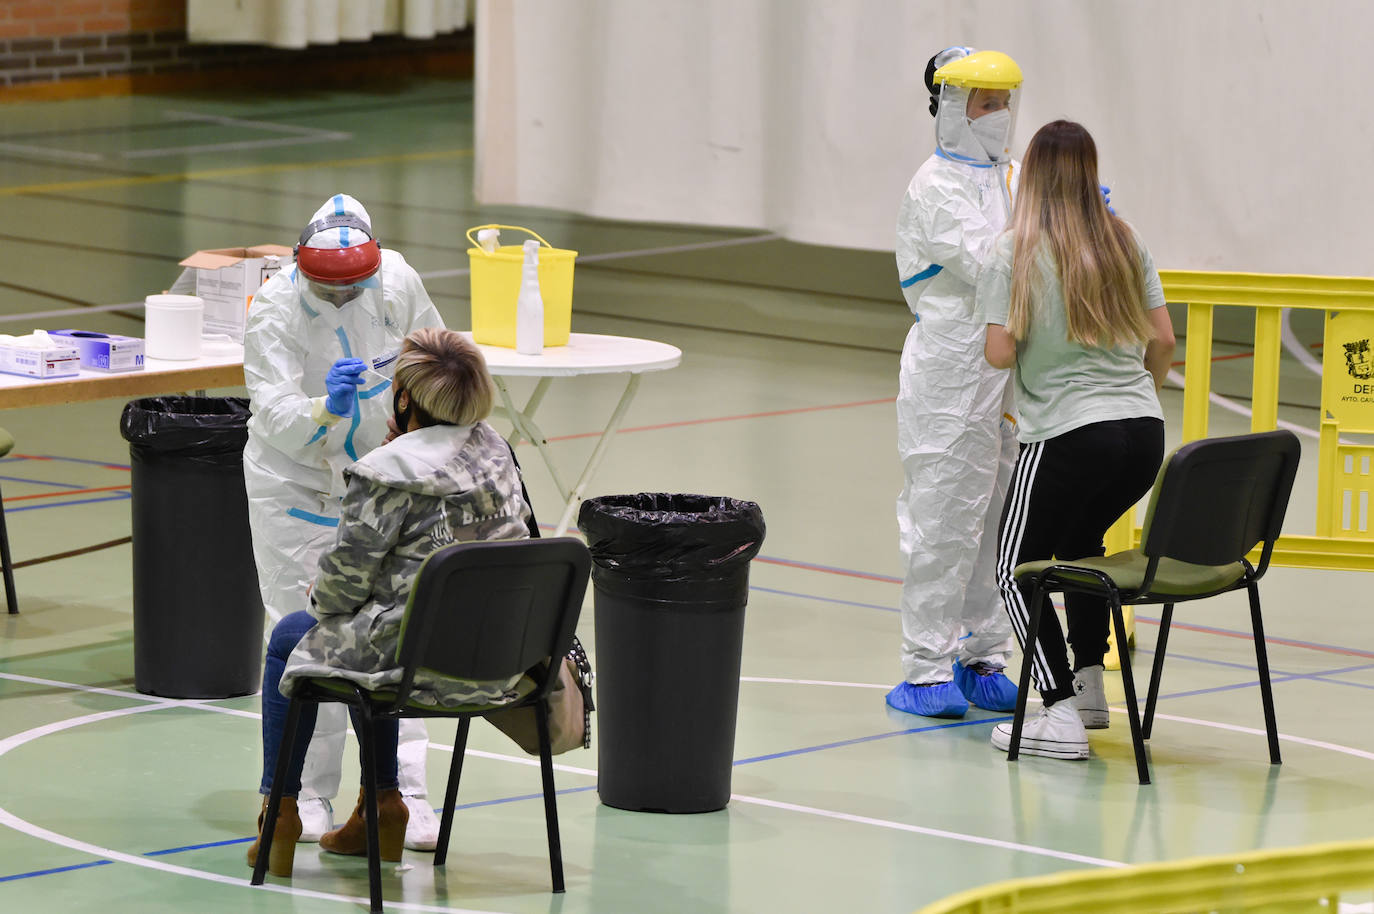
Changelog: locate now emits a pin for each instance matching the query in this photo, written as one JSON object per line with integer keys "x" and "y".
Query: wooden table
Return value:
{"x": 221, "y": 368}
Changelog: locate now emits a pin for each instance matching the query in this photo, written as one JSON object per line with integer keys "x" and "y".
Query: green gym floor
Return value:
{"x": 784, "y": 397}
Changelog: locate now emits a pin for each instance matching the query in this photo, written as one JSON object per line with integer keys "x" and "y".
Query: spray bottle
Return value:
{"x": 529, "y": 306}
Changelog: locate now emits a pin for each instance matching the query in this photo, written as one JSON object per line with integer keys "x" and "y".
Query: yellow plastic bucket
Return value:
{"x": 495, "y": 285}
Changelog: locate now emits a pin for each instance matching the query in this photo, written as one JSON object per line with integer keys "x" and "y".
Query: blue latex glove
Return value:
{"x": 1107, "y": 197}
{"x": 341, "y": 385}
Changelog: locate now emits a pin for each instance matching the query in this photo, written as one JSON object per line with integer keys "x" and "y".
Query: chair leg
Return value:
{"x": 1123, "y": 652}
{"x": 541, "y": 718}
{"x": 374, "y": 841}
{"x": 11, "y": 600}
{"x": 1271, "y": 726}
{"x": 1157, "y": 669}
{"x": 269, "y": 819}
{"x": 1023, "y": 686}
{"x": 455, "y": 772}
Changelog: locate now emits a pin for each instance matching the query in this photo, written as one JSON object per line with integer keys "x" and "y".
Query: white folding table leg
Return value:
{"x": 525, "y": 428}
{"x": 575, "y": 496}
{"x": 531, "y": 405}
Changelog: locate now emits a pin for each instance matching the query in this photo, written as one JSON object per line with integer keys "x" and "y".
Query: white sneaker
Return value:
{"x": 317, "y": 817}
{"x": 1055, "y": 732}
{"x": 422, "y": 830}
{"x": 1091, "y": 698}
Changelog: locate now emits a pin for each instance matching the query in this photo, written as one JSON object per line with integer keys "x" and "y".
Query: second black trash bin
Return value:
{"x": 198, "y": 615}
{"x": 670, "y": 581}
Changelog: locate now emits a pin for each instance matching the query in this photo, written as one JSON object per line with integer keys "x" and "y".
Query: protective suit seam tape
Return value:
{"x": 928, "y": 272}
{"x": 962, "y": 161}
{"x": 313, "y": 518}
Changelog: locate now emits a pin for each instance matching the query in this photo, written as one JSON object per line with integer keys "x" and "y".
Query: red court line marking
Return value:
{"x": 65, "y": 492}
{"x": 776, "y": 412}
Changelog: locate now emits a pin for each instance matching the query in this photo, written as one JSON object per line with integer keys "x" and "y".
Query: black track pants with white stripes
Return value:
{"x": 1065, "y": 493}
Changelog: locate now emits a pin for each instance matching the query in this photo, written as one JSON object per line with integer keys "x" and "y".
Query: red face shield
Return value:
{"x": 338, "y": 266}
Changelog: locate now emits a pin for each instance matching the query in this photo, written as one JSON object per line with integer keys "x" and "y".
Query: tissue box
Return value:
{"x": 54, "y": 361}
{"x": 227, "y": 279}
{"x": 104, "y": 351}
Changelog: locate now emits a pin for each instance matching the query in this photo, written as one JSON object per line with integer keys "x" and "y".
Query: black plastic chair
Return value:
{"x": 1215, "y": 500}
{"x": 478, "y": 611}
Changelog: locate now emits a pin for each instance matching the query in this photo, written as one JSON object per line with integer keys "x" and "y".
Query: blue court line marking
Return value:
{"x": 42, "y": 482}
{"x": 868, "y": 739}
{"x": 56, "y": 870}
{"x": 122, "y": 496}
{"x": 1277, "y": 675}
{"x": 806, "y": 750}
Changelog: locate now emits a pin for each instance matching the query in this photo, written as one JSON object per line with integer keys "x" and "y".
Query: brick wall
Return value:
{"x": 63, "y": 48}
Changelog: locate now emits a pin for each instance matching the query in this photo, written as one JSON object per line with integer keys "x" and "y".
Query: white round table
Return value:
{"x": 585, "y": 353}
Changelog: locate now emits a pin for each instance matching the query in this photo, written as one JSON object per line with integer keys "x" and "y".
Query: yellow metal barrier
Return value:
{"x": 1292, "y": 880}
{"x": 1344, "y": 537}
{"x": 1351, "y": 299}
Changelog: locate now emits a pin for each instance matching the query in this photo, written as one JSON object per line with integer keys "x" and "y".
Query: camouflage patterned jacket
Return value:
{"x": 424, "y": 490}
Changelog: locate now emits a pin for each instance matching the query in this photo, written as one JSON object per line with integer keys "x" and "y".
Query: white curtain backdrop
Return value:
{"x": 297, "y": 23}
{"x": 1235, "y": 133}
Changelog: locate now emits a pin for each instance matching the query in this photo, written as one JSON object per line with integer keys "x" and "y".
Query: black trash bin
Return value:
{"x": 670, "y": 580}
{"x": 198, "y": 614}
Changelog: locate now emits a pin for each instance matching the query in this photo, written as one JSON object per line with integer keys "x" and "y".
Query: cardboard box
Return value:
{"x": 55, "y": 361}
{"x": 104, "y": 351}
{"x": 227, "y": 279}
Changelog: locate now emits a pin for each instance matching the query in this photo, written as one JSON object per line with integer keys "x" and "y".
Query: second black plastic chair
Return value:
{"x": 1215, "y": 501}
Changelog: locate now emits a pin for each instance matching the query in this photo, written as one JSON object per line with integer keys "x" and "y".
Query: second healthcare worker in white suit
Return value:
{"x": 955, "y": 431}
{"x": 320, "y": 349}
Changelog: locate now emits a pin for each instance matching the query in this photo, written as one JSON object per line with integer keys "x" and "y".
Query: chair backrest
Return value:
{"x": 1217, "y": 498}
{"x": 493, "y": 609}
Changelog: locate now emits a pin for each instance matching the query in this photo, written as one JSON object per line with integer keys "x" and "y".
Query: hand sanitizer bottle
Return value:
{"x": 529, "y": 306}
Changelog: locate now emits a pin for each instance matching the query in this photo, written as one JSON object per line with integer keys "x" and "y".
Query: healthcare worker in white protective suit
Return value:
{"x": 955, "y": 430}
{"x": 320, "y": 349}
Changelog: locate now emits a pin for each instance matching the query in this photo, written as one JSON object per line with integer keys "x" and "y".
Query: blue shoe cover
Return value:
{"x": 986, "y": 687}
{"x": 937, "y": 700}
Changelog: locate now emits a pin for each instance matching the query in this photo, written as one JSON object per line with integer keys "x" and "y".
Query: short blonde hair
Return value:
{"x": 446, "y": 376}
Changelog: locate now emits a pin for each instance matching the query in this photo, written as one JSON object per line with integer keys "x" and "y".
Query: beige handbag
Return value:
{"x": 570, "y": 710}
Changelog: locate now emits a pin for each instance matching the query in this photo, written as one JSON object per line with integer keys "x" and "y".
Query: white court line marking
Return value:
{"x": 932, "y": 832}
{"x": 298, "y": 135}
{"x": 1301, "y": 740}
{"x": 9, "y": 819}
{"x": 124, "y": 693}
{"x": 819, "y": 682}
{"x": 1234, "y": 407}
{"x": 45, "y": 152}
{"x": 1295, "y": 348}
{"x": 639, "y": 252}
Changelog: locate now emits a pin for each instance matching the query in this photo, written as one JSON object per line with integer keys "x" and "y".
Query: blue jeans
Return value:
{"x": 285, "y": 636}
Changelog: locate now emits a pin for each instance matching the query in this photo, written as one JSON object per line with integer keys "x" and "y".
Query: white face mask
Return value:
{"x": 991, "y": 132}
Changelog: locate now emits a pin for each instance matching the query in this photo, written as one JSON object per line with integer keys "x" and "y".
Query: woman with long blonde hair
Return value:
{"x": 1073, "y": 304}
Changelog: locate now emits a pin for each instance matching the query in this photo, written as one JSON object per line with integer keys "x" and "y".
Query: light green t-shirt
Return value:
{"x": 1063, "y": 385}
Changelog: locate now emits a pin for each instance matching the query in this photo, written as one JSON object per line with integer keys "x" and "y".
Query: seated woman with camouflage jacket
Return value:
{"x": 445, "y": 477}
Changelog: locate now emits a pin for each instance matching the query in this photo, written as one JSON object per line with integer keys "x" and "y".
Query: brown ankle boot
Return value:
{"x": 351, "y": 837}
{"x": 282, "y": 854}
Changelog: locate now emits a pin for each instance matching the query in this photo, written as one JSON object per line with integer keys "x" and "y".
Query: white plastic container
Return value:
{"x": 172, "y": 326}
{"x": 529, "y": 306}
